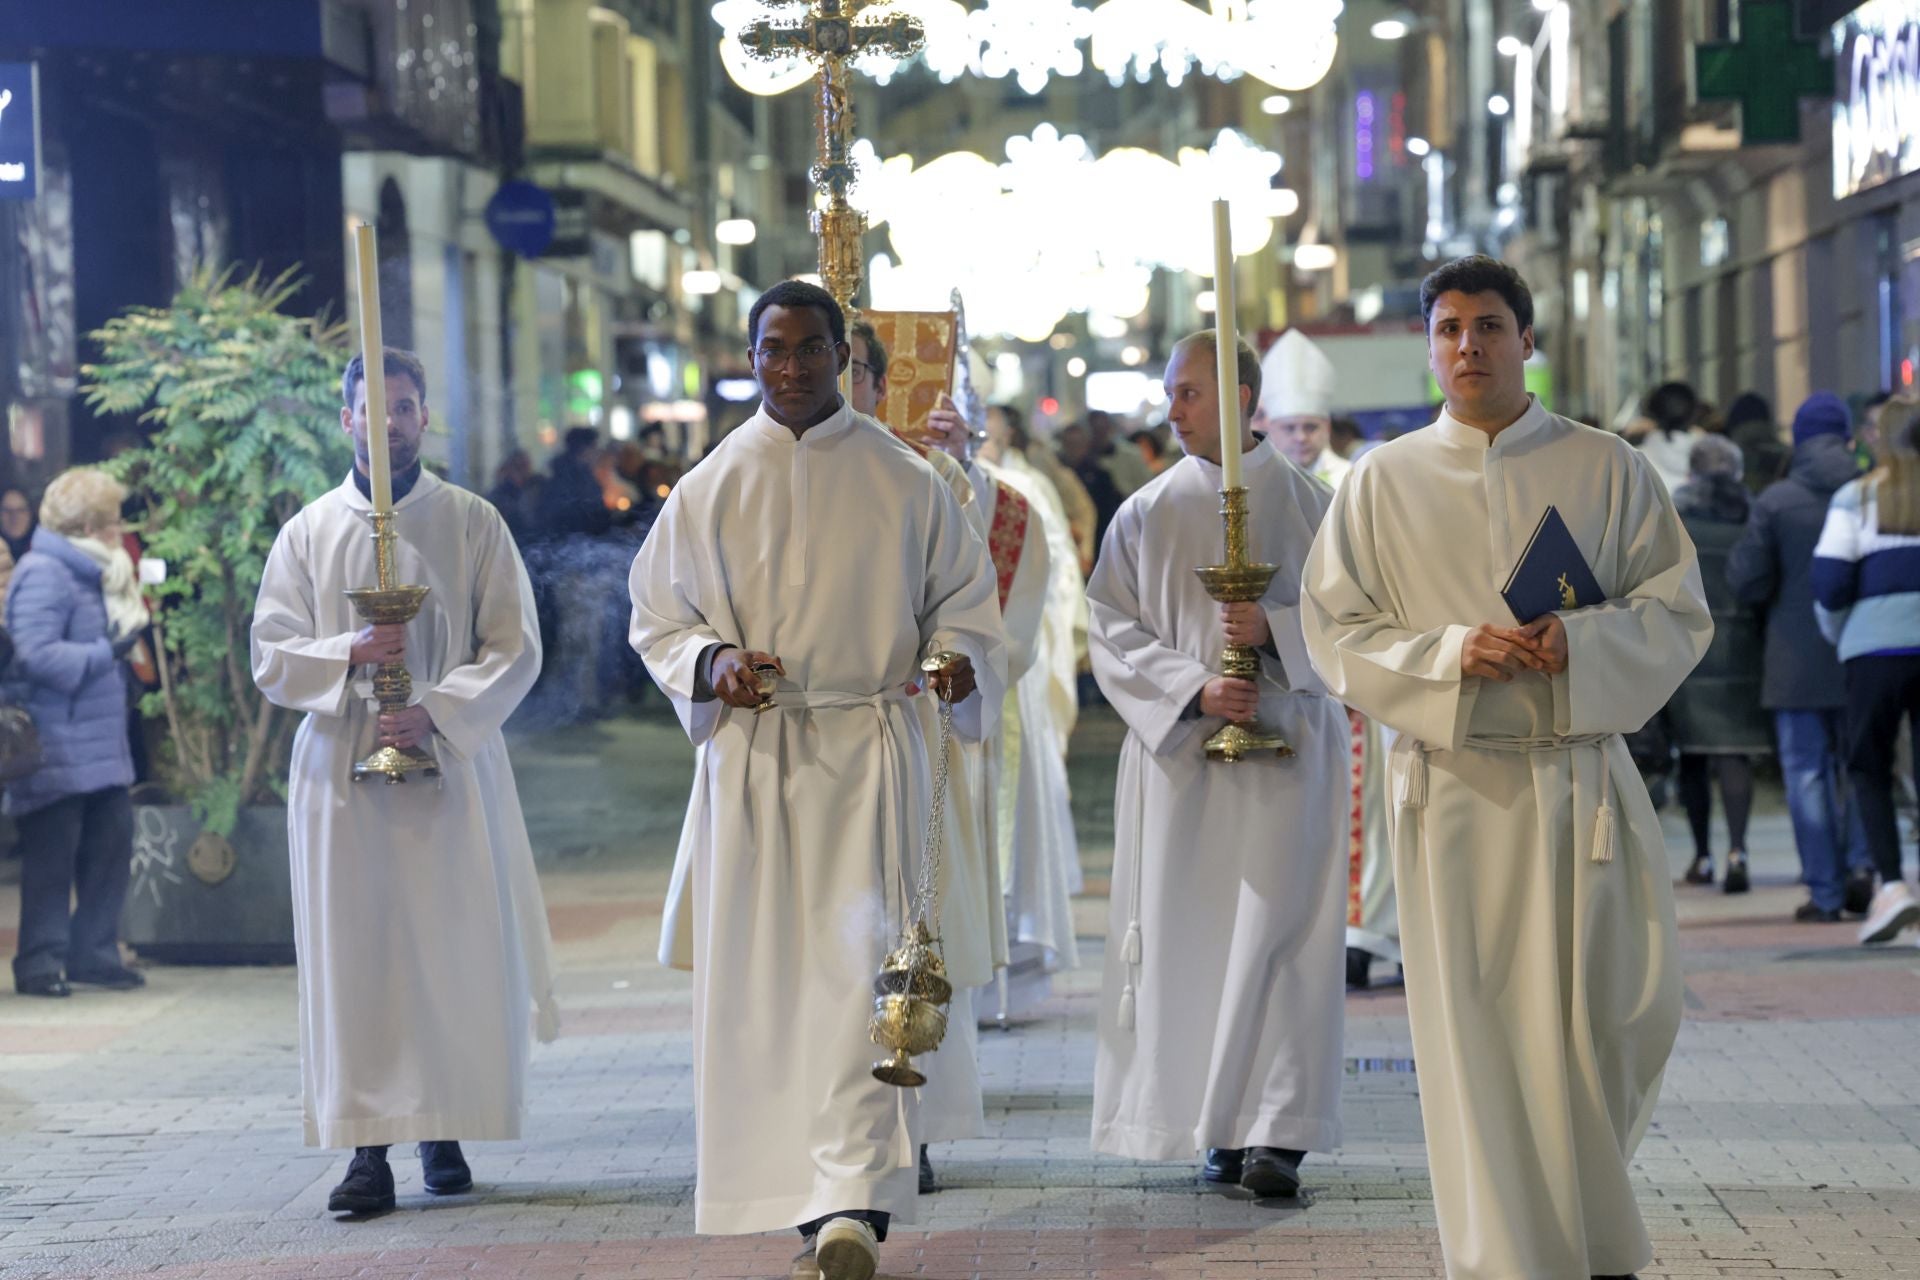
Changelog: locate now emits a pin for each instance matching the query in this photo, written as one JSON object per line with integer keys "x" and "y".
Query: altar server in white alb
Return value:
{"x": 1536, "y": 912}
{"x": 424, "y": 956}
{"x": 1222, "y": 1007}
{"x": 1297, "y": 385}
{"x": 813, "y": 541}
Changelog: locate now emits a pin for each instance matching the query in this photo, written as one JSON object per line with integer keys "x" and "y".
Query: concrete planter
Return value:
{"x": 198, "y": 899}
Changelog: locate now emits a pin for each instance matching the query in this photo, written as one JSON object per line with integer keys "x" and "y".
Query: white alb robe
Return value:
{"x": 845, "y": 555}
{"x": 1542, "y": 983}
{"x": 1237, "y": 1002}
{"x": 421, "y": 933}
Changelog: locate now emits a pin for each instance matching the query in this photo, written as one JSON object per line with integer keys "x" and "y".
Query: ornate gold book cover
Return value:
{"x": 920, "y": 347}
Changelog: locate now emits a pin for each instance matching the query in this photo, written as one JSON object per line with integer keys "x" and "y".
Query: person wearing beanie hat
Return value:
{"x": 1296, "y": 406}
{"x": 1821, "y": 414}
{"x": 1801, "y": 682}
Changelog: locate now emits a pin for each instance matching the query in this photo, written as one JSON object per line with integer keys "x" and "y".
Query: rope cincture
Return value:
{"x": 1410, "y": 790}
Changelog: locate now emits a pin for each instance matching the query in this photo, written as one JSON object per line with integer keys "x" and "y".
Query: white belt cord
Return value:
{"x": 1411, "y": 789}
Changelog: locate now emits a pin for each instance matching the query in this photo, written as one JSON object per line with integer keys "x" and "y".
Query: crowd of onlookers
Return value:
{"x": 1809, "y": 545}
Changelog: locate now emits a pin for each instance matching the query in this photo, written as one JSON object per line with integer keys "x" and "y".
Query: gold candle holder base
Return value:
{"x": 392, "y": 684}
{"x": 1238, "y": 582}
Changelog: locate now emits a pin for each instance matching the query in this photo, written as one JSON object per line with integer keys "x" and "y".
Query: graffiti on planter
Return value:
{"x": 156, "y": 853}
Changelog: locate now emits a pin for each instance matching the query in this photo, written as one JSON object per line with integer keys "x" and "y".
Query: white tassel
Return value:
{"x": 1413, "y": 780}
{"x": 1603, "y": 834}
{"x": 1126, "y": 1007}
{"x": 1131, "y": 950}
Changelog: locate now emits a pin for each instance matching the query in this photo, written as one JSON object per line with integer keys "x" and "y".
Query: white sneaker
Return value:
{"x": 847, "y": 1250}
{"x": 1894, "y": 908}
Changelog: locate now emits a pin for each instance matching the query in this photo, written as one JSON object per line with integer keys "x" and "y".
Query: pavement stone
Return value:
{"x": 157, "y": 1133}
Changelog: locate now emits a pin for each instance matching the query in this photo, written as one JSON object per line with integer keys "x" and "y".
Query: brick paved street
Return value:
{"x": 158, "y": 1133}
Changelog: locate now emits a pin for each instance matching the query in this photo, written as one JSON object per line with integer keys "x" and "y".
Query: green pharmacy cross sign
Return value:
{"x": 1767, "y": 71}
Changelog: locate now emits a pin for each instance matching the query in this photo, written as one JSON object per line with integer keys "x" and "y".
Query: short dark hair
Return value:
{"x": 1477, "y": 273}
{"x": 876, "y": 350}
{"x": 1016, "y": 425}
{"x": 798, "y": 293}
{"x": 1672, "y": 405}
{"x": 395, "y": 362}
{"x": 1249, "y": 360}
{"x": 580, "y": 439}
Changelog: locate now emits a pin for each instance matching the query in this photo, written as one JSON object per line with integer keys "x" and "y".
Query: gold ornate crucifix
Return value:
{"x": 829, "y": 33}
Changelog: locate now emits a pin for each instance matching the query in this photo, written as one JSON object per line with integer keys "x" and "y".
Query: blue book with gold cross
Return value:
{"x": 1551, "y": 574}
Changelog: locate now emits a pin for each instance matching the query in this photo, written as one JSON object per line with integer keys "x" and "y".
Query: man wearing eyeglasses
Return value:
{"x": 783, "y": 599}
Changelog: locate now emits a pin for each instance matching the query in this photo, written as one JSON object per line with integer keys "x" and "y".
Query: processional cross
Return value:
{"x": 829, "y": 34}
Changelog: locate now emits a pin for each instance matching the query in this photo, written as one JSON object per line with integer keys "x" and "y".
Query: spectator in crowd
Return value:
{"x": 573, "y": 501}
{"x": 1771, "y": 569}
{"x": 1153, "y": 449}
{"x": 1670, "y": 413}
{"x": 1866, "y": 441}
{"x": 1866, "y": 582}
{"x": 1344, "y": 437}
{"x": 74, "y": 612}
{"x": 1077, "y": 453}
{"x": 1715, "y": 717}
{"x": 515, "y": 494}
{"x": 1749, "y": 424}
{"x": 1109, "y": 438}
{"x": 16, "y": 525}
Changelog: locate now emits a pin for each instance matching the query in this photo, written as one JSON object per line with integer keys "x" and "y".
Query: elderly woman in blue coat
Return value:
{"x": 74, "y": 610}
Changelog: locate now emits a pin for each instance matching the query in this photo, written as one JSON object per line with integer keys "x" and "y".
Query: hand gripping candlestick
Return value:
{"x": 912, "y": 993}
{"x": 1236, "y": 581}
{"x": 385, "y": 603}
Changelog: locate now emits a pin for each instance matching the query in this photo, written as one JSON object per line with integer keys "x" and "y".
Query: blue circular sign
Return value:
{"x": 521, "y": 217}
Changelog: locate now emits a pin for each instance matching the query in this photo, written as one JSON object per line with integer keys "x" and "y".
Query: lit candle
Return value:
{"x": 373, "y": 362}
{"x": 1226, "y": 348}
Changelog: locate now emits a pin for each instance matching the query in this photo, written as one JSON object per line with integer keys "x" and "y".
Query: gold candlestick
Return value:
{"x": 392, "y": 684}
{"x": 1236, "y": 582}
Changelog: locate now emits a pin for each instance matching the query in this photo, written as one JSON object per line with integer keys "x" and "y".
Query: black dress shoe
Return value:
{"x": 368, "y": 1186}
{"x": 1700, "y": 871}
{"x": 927, "y": 1185}
{"x": 1808, "y": 913}
{"x": 1737, "y": 880}
{"x": 1858, "y": 894}
{"x": 444, "y": 1169}
{"x": 1223, "y": 1164}
{"x": 1272, "y": 1171}
{"x": 1359, "y": 969}
{"x": 118, "y": 978}
{"x": 50, "y": 985}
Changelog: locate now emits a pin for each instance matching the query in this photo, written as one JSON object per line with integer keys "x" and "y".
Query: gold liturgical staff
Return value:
{"x": 912, "y": 993}
{"x": 386, "y": 602}
{"x": 1236, "y": 581}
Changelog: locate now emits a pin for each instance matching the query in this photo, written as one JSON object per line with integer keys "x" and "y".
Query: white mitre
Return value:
{"x": 1296, "y": 379}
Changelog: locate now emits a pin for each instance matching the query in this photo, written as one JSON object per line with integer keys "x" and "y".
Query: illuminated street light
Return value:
{"x": 1276, "y": 104}
{"x": 1418, "y": 146}
{"x": 1389, "y": 29}
{"x": 1076, "y": 368}
{"x": 1205, "y": 301}
{"x": 700, "y": 282}
{"x": 1315, "y": 257}
{"x": 735, "y": 231}
{"x": 1498, "y": 104}
{"x": 1509, "y": 46}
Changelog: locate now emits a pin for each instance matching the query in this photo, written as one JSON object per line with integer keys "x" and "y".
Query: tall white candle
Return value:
{"x": 373, "y": 361}
{"x": 1226, "y": 348}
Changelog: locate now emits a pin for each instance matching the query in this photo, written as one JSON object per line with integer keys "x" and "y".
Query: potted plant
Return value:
{"x": 242, "y": 402}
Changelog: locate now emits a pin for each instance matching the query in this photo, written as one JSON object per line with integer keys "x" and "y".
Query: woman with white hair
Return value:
{"x": 1715, "y": 716}
{"x": 75, "y": 611}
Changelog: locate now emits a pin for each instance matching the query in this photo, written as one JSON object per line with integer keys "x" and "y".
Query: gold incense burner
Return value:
{"x": 911, "y": 992}
{"x": 392, "y": 685}
{"x": 1237, "y": 582}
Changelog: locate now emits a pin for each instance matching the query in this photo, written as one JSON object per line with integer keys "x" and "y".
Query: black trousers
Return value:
{"x": 1881, "y": 689}
{"x": 78, "y": 851}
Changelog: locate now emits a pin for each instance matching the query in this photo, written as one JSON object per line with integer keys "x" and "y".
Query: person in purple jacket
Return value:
{"x": 74, "y": 611}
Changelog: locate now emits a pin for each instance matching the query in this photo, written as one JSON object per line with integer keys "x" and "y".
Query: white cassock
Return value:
{"x": 1226, "y": 1032}
{"x": 844, "y": 554}
{"x": 418, "y": 920}
{"x": 1542, "y": 981}
{"x": 1039, "y": 853}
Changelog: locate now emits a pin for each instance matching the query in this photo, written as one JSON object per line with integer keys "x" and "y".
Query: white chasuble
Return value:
{"x": 422, "y": 938}
{"x": 1222, "y": 1005}
{"x": 845, "y": 555}
{"x": 1536, "y": 913}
